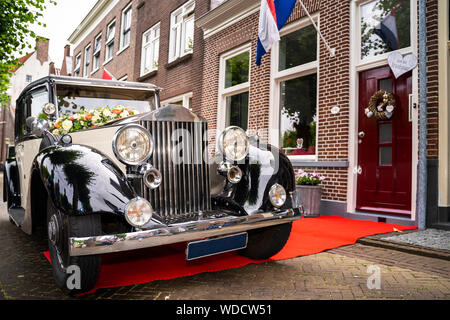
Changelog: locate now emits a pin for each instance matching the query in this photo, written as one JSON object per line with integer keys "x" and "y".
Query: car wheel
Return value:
{"x": 266, "y": 242}
{"x": 60, "y": 228}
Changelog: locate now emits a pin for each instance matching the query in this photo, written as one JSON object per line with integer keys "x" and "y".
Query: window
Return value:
{"x": 234, "y": 87}
{"x": 298, "y": 115}
{"x": 30, "y": 106}
{"x": 111, "y": 30}
{"x": 150, "y": 49}
{"x": 126, "y": 27}
{"x": 71, "y": 98}
{"x": 87, "y": 60}
{"x": 182, "y": 31}
{"x": 294, "y": 65}
{"x": 97, "y": 49}
{"x": 184, "y": 100}
{"x": 76, "y": 71}
{"x": 384, "y": 26}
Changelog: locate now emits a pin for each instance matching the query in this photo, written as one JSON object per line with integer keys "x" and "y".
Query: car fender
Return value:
{"x": 263, "y": 167}
{"x": 80, "y": 180}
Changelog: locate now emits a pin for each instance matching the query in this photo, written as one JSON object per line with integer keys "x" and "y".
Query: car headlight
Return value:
{"x": 277, "y": 195}
{"x": 138, "y": 212}
{"x": 233, "y": 143}
{"x": 132, "y": 144}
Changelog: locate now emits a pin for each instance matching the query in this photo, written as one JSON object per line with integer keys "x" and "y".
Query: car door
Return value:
{"x": 27, "y": 145}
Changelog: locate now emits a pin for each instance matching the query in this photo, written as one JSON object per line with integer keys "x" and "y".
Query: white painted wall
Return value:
{"x": 31, "y": 67}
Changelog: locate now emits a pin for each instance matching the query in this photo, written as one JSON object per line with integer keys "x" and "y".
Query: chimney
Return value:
{"x": 66, "y": 67}
{"x": 42, "y": 49}
{"x": 67, "y": 50}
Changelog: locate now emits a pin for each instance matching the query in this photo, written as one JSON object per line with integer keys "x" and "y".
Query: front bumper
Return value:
{"x": 180, "y": 232}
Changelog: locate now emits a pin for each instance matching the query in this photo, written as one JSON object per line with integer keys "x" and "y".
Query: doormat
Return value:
{"x": 308, "y": 236}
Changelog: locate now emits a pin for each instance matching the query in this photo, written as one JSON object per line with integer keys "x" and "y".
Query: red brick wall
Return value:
{"x": 333, "y": 85}
{"x": 182, "y": 75}
{"x": 122, "y": 64}
{"x": 432, "y": 79}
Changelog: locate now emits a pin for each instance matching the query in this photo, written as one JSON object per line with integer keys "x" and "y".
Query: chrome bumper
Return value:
{"x": 176, "y": 233}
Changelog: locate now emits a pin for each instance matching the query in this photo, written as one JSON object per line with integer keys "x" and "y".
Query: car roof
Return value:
{"x": 90, "y": 82}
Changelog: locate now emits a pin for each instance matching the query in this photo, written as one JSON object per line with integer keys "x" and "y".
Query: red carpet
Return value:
{"x": 308, "y": 236}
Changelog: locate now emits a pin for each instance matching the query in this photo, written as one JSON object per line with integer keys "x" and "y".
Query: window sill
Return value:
{"x": 122, "y": 49}
{"x": 328, "y": 164}
{"x": 147, "y": 75}
{"x": 107, "y": 61}
{"x": 179, "y": 60}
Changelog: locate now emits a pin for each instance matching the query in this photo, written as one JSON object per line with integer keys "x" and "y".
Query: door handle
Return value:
{"x": 361, "y": 134}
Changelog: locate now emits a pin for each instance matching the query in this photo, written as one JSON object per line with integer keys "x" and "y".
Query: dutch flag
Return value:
{"x": 272, "y": 17}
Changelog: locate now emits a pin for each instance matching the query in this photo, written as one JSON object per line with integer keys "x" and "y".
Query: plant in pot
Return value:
{"x": 309, "y": 192}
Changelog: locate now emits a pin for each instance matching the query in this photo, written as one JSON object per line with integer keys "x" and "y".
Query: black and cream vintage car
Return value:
{"x": 123, "y": 173}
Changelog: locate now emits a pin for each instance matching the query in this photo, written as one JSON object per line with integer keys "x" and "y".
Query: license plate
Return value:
{"x": 209, "y": 247}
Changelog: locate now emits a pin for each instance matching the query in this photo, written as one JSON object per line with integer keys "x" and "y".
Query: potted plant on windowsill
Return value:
{"x": 309, "y": 192}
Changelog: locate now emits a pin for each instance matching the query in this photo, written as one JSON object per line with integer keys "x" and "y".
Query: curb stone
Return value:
{"x": 376, "y": 241}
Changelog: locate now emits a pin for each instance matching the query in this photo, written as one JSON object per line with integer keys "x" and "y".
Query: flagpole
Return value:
{"x": 331, "y": 50}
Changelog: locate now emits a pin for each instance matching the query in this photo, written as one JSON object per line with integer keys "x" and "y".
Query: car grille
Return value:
{"x": 180, "y": 154}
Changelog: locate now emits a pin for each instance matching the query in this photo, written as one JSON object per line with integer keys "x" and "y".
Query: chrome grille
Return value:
{"x": 179, "y": 156}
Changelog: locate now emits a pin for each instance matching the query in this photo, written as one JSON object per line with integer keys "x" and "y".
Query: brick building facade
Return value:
{"x": 345, "y": 82}
{"x": 210, "y": 67}
{"x": 147, "y": 56}
{"x": 104, "y": 28}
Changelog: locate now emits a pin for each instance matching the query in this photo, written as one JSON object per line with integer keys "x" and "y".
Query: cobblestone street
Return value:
{"x": 340, "y": 273}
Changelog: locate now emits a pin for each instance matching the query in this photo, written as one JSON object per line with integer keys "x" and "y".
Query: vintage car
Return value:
{"x": 102, "y": 167}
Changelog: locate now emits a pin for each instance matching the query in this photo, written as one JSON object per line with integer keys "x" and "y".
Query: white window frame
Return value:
{"x": 87, "y": 60}
{"x": 76, "y": 71}
{"x": 379, "y": 60}
{"x": 96, "y": 54}
{"x": 109, "y": 41}
{"x": 125, "y": 29}
{"x": 177, "y": 42}
{"x": 182, "y": 97}
{"x": 150, "y": 45}
{"x": 292, "y": 73}
{"x": 233, "y": 90}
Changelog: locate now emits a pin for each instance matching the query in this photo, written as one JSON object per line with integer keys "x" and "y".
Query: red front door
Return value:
{"x": 384, "y": 146}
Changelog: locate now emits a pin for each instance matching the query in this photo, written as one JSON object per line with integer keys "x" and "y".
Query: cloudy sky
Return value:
{"x": 61, "y": 21}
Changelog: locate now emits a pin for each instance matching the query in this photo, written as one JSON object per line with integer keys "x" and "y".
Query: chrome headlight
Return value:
{"x": 132, "y": 144}
{"x": 277, "y": 195}
{"x": 233, "y": 143}
{"x": 138, "y": 212}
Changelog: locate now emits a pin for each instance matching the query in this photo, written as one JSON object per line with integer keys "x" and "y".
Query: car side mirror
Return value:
{"x": 37, "y": 126}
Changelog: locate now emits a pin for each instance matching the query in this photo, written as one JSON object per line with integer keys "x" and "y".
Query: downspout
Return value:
{"x": 422, "y": 166}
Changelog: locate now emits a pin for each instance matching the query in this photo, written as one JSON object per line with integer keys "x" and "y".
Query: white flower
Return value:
{"x": 106, "y": 112}
{"x": 124, "y": 114}
{"x": 96, "y": 113}
{"x": 56, "y": 131}
{"x": 95, "y": 118}
{"x": 67, "y": 124}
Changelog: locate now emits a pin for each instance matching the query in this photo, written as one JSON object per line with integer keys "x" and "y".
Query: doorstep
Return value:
{"x": 378, "y": 241}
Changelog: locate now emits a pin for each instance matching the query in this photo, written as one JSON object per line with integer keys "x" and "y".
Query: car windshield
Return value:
{"x": 72, "y": 99}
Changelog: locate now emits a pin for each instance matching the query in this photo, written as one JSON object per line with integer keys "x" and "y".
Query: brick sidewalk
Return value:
{"x": 341, "y": 273}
